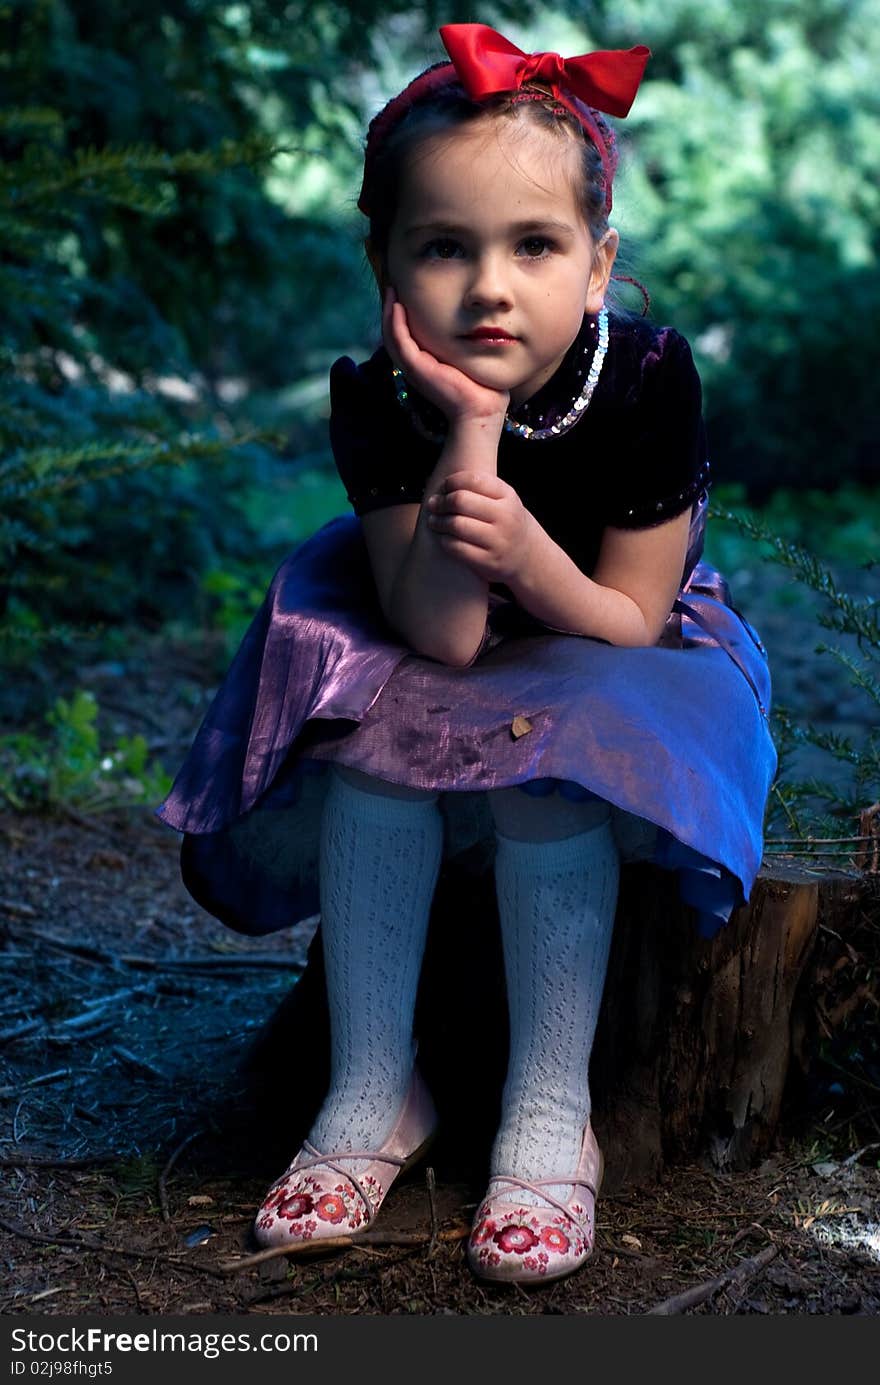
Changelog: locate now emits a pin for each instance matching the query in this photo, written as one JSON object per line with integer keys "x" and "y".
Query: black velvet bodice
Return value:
{"x": 635, "y": 458}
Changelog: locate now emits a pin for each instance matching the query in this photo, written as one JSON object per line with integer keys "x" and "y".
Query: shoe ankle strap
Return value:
{"x": 332, "y": 1161}
{"x": 372, "y": 1155}
{"x": 538, "y": 1187}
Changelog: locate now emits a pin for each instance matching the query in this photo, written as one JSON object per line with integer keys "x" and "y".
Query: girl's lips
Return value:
{"x": 489, "y": 334}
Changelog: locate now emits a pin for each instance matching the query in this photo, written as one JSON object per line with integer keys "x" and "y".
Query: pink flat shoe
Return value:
{"x": 529, "y": 1244}
{"x": 316, "y": 1197}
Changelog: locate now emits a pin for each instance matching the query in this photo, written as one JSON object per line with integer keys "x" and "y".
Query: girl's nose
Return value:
{"x": 489, "y": 285}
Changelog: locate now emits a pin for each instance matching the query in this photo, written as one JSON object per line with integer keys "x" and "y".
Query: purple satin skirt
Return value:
{"x": 675, "y": 737}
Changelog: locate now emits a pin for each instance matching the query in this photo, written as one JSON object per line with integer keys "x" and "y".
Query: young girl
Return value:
{"x": 517, "y": 612}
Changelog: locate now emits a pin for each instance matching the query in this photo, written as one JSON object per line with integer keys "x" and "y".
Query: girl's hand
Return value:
{"x": 458, "y": 396}
{"x": 481, "y": 520}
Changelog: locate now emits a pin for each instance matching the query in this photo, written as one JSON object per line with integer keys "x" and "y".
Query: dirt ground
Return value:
{"x": 135, "y": 1145}
{"x": 134, "y": 1150}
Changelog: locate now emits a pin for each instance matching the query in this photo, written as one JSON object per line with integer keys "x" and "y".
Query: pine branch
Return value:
{"x": 55, "y": 471}
{"x": 17, "y": 638}
{"x": 787, "y": 799}
{"x": 107, "y": 174}
{"x": 37, "y": 120}
{"x": 47, "y": 470}
{"x": 841, "y": 623}
{"x": 862, "y": 677}
{"x": 856, "y": 617}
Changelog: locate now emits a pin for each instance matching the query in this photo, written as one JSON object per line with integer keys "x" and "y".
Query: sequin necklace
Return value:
{"x": 524, "y": 430}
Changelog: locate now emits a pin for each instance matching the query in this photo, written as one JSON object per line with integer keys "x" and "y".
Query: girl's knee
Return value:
{"x": 369, "y": 783}
{"x": 549, "y": 818}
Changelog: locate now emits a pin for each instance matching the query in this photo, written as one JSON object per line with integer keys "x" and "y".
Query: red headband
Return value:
{"x": 486, "y": 63}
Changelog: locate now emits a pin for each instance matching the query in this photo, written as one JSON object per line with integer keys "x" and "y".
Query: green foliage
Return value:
{"x": 751, "y": 199}
{"x": 816, "y": 808}
{"x": 286, "y": 510}
{"x": 180, "y": 261}
{"x": 163, "y": 273}
{"x": 66, "y": 767}
{"x": 88, "y": 530}
{"x": 233, "y": 598}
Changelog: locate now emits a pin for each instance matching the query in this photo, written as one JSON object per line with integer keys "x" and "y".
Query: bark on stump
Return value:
{"x": 694, "y": 1038}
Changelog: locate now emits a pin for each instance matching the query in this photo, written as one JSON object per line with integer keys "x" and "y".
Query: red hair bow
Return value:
{"x": 487, "y": 62}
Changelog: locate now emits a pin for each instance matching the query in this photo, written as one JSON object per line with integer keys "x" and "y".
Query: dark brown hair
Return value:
{"x": 448, "y": 107}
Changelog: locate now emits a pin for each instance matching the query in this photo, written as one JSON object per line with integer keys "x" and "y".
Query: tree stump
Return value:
{"x": 694, "y": 1039}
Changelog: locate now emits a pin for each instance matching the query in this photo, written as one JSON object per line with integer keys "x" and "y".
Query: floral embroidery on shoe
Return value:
{"x": 317, "y": 1197}
{"x": 296, "y": 1205}
{"x": 483, "y": 1231}
{"x": 331, "y": 1207}
{"x": 374, "y": 1191}
{"x": 555, "y": 1239}
{"x": 515, "y": 1238}
{"x": 298, "y": 1194}
{"x": 512, "y": 1242}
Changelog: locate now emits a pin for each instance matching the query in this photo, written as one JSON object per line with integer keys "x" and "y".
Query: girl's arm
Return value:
{"x": 627, "y": 600}
{"x": 436, "y": 603}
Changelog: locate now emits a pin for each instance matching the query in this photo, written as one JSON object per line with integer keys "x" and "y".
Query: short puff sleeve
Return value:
{"x": 664, "y": 467}
{"x": 380, "y": 457}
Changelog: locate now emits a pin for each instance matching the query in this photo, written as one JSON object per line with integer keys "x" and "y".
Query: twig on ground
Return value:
{"x": 263, "y": 961}
{"x": 36, "y": 1161}
{"x": 85, "y": 950}
{"x": 749, "y": 1230}
{"x": 16, "y": 909}
{"x": 36, "y": 1082}
{"x": 15, "y": 1135}
{"x": 44, "y": 1077}
{"x": 260, "y": 961}
{"x": 690, "y": 1298}
{"x": 18, "y": 1030}
{"x": 163, "y": 1176}
{"x": 126, "y": 1272}
{"x": 101, "y": 1248}
{"x": 81, "y": 1035}
{"x": 61, "y": 1029}
{"x": 431, "y": 1184}
{"x": 369, "y": 1238}
{"x": 854, "y": 1158}
{"x": 93, "y": 1008}
{"x": 133, "y": 1061}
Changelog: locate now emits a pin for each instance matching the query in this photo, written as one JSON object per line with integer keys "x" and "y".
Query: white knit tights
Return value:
{"x": 556, "y": 900}
{"x": 556, "y": 873}
{"x": 379, "y": 859}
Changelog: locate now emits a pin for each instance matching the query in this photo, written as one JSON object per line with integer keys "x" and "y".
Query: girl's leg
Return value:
{"x": 557, "y": 876}
{"x": 380, "y": 853}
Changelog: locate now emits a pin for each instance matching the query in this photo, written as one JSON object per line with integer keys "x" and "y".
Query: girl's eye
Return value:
{"x": 443, "y": 248}
{"x": 536, "y": 247}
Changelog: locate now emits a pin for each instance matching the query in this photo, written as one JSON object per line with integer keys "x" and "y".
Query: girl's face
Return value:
{"x": 490, "y": 255}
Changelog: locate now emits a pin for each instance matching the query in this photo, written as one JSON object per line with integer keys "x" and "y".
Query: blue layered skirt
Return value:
{"x": 675, "y": 737}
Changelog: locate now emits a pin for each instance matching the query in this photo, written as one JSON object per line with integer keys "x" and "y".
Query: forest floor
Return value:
{"x": 136, "y": 1144}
